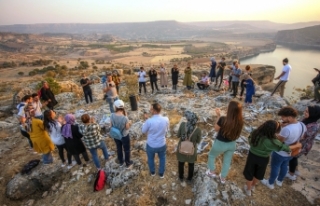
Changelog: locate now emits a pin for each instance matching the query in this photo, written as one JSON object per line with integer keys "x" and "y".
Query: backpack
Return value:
{"x": 100, "y": 180}
{"x": 29, "y": 166}
{"x": 115, "y": 133}
{"x": 186, "y": 146}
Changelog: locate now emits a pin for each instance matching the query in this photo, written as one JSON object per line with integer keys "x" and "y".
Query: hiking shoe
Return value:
{"x": 153, "y": 174}
{"x": 63, "y": 165}
{"x": 129, "y": 166}
{"x": 70, "y": 166}
{"x": 222, "y": 180}
{"x": 248, "y": 192}
{"x": 266, "y": 183}
{"x": 279, "y": 183}
{"x": 121, "y": 165}
{"x": 189, "y": 182}
{"x": 297, "y": 173}
{"x": 291, "y": 177}
{"x": 213, "y": 175}
{"x": 161, "y": 176}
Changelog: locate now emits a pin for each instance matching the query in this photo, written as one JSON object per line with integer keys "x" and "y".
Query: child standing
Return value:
{"x": 250, "y": 90}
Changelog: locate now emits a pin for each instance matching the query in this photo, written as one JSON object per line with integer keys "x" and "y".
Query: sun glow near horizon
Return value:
{"x": 100, "y": 11}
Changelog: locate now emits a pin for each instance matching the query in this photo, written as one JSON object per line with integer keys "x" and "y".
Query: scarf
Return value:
{"x": 192, "y": 120}
{"x": 314, "y": 114}
{"x": 66, "y": 130}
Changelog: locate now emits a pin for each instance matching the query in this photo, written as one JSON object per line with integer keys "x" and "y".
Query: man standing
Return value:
{"x": 153, "y": 79}
{"x": 220, "y": 72}
{"x": 284, "y": 77}
{"x": 156, "y": 127}
{"x": 47, "y": 96}
{"x": 111, "y": 92}
{"x": 37, "y": 106}
{"x": 236, "y": 73}
{"x": 316, "y": 82}
{"x": 85, "y": 83}
{"x": 291, "y": 132}
{"x": 142, "y": 80}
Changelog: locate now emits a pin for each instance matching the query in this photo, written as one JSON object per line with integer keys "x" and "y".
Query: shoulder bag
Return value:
{"x": 186, "y": 146}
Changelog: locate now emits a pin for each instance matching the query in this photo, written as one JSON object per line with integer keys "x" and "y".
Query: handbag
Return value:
{"x": 186, "y": 146}
{"x": 295, "y": 152}
{"x": 115, "y": 133}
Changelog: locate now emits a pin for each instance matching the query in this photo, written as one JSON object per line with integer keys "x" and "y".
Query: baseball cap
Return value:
{"x": 119, "y": 104}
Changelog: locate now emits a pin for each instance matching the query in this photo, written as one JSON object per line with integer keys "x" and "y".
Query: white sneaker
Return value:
{"x": 213, "y": 175}
{"x": 297, "y": 173}
{"x": 70, "y": 166}
{"x": 74, "y": 163}
{"x": 266, "y": 183}
{"x": 291, "y": 177}
{"x": 248, "y": 192}
{"x": 279, "y": 183}
{"x": 63, "y": 165}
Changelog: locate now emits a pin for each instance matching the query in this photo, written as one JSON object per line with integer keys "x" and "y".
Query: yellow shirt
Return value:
{"x": 40, "y": 137}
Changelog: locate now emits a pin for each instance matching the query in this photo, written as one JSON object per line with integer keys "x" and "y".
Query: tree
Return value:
{"x": 54, "y": 86}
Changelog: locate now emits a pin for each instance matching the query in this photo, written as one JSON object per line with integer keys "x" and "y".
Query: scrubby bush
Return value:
{"x": 32, "y": 73}
{"x": 54, "y": 86}
{"x": 21, "y": 73}
{"x": 50, "y": 74}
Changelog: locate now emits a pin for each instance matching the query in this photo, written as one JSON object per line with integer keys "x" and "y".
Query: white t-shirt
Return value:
{"x": 21, "y": 111}
{"x": 287, "y": 70}
{"x": 55, "y": 134}
{"x": 142, "y": 75}
{"x": 291, "y": 133}
{"x": 37, "y": 107}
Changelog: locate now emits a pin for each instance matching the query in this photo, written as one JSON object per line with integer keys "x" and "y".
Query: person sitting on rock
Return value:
{"x": 188, "y": 130}
{"x": 156, "y": 127}
{"x": 229, "y": 129}
{"x": 204, "y": 82}
{"x": 72, "y": 137}
{"x": 47, "y": 96}
{"x": 316, "y": 83}
{"x": 187, "y": 81}
{"x": 93, "y": 139}
{"x": 40, "y": 138}
{"x": 120, "y": 120}
{"x": 262, "y": 142}
{"x": 53, "y": 127}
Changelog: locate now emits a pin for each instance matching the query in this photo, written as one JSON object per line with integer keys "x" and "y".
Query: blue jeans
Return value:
{"x": 110, "y": 102}
{"x": 94, "y": 153}
{"x": 47, "y": 158}
{"x": 123, "y": 145}
{"x": 162, "y": 158}
{"x": 88, "y": 95}
{"x": 278, "y": 162}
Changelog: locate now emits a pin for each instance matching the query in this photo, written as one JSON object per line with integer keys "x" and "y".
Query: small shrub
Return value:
{"x": 54, "y": 86}
{"x": 21, "y": 73}
{"x": 50, "y": 74}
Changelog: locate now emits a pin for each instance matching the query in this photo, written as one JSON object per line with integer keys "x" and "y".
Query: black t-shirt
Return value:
{"x": 221, "y": 66}
{"x": 84, "y": 81}
{"x": 220, "y": 136}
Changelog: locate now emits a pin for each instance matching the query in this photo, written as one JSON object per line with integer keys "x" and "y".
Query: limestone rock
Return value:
{"x": 302, "y": 105}
{"x": 135, "y": 130}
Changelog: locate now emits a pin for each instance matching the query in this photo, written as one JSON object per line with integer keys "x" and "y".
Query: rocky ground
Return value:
{"x": 53, "y": 185}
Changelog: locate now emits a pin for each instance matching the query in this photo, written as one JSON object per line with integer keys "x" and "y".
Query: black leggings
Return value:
{"x": 235, "y": 88}
{"x": 293, "y": 163}
{"x": 243, "y": 86}
{"x": 190, "y": 170}
{"x": 84, "y": 155}
{"x": 219, "y": 74}
{"x": 26, "y": 135}
{"x": 61, "y": 154}
{"x": 144, "y": 87}
{"x": 230, "y": 83}
{"x": 154, "y": 84}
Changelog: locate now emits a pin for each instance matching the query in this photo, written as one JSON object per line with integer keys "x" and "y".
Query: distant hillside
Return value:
{"x": 309, "y": 36}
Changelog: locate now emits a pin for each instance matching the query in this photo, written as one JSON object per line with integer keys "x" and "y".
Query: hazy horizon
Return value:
{"x": 121, "y": 11}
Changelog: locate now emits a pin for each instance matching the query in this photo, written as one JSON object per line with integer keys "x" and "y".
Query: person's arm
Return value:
{"x": 128, "y": 123}
{"x": 198, "y": 140}
{"x": 145, "y": 127}
{"x": 238, "y": 73}
{"x": 82, "y": 82}
{"x": 179, "y": 130}
{"x": 282, "y": 73}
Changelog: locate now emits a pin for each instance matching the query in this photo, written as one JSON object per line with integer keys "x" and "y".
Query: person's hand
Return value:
{"x": 49, "y": 100}
{"x": 218, "y": 112}
{"x": 61, "y": 119}
{"x": 276, "y": 78}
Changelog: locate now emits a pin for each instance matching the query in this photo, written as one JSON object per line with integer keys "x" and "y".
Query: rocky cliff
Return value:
{"x": 309, "y": 36}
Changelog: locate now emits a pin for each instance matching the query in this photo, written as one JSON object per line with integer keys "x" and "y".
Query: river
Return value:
{"x": 302, "y": 62}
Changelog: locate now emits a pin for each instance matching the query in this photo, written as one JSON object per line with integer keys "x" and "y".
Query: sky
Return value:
{"x": 111, "y": 11}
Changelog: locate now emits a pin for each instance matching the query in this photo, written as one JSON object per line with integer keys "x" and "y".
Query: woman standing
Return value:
{"x": 153, "y": 79}
{"x": 93, "y": 139}
{"x": 120, "y": 121}
{"x": 174, "y": 76}
{"x": 250, "y": 89}
{"x": 229, "y": 128}
{"x": 262, "y": 142}
{"x": 53, "y": 127}
{"x": 213, "y": 66}
{"x": 311, "y": 116}
{"x": 188, "y": 130}
{"x": 187, "y": 81}
{"x": 242, "y": 84}
{"x": 40, "y": 138}
{"x": 72, "y": 137}
{"x": 163, "y": 76}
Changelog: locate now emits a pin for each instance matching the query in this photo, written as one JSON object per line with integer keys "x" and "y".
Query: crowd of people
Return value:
{"x": 45, "y": 131}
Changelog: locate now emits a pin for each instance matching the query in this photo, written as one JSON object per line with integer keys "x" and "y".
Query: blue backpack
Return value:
{"x": 115, "y": 133}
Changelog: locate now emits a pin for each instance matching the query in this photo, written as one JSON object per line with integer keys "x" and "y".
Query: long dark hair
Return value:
{"x": 233, "y": 123}
{"x": 48, "y": 121}
{"x": 266, "y": 130}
